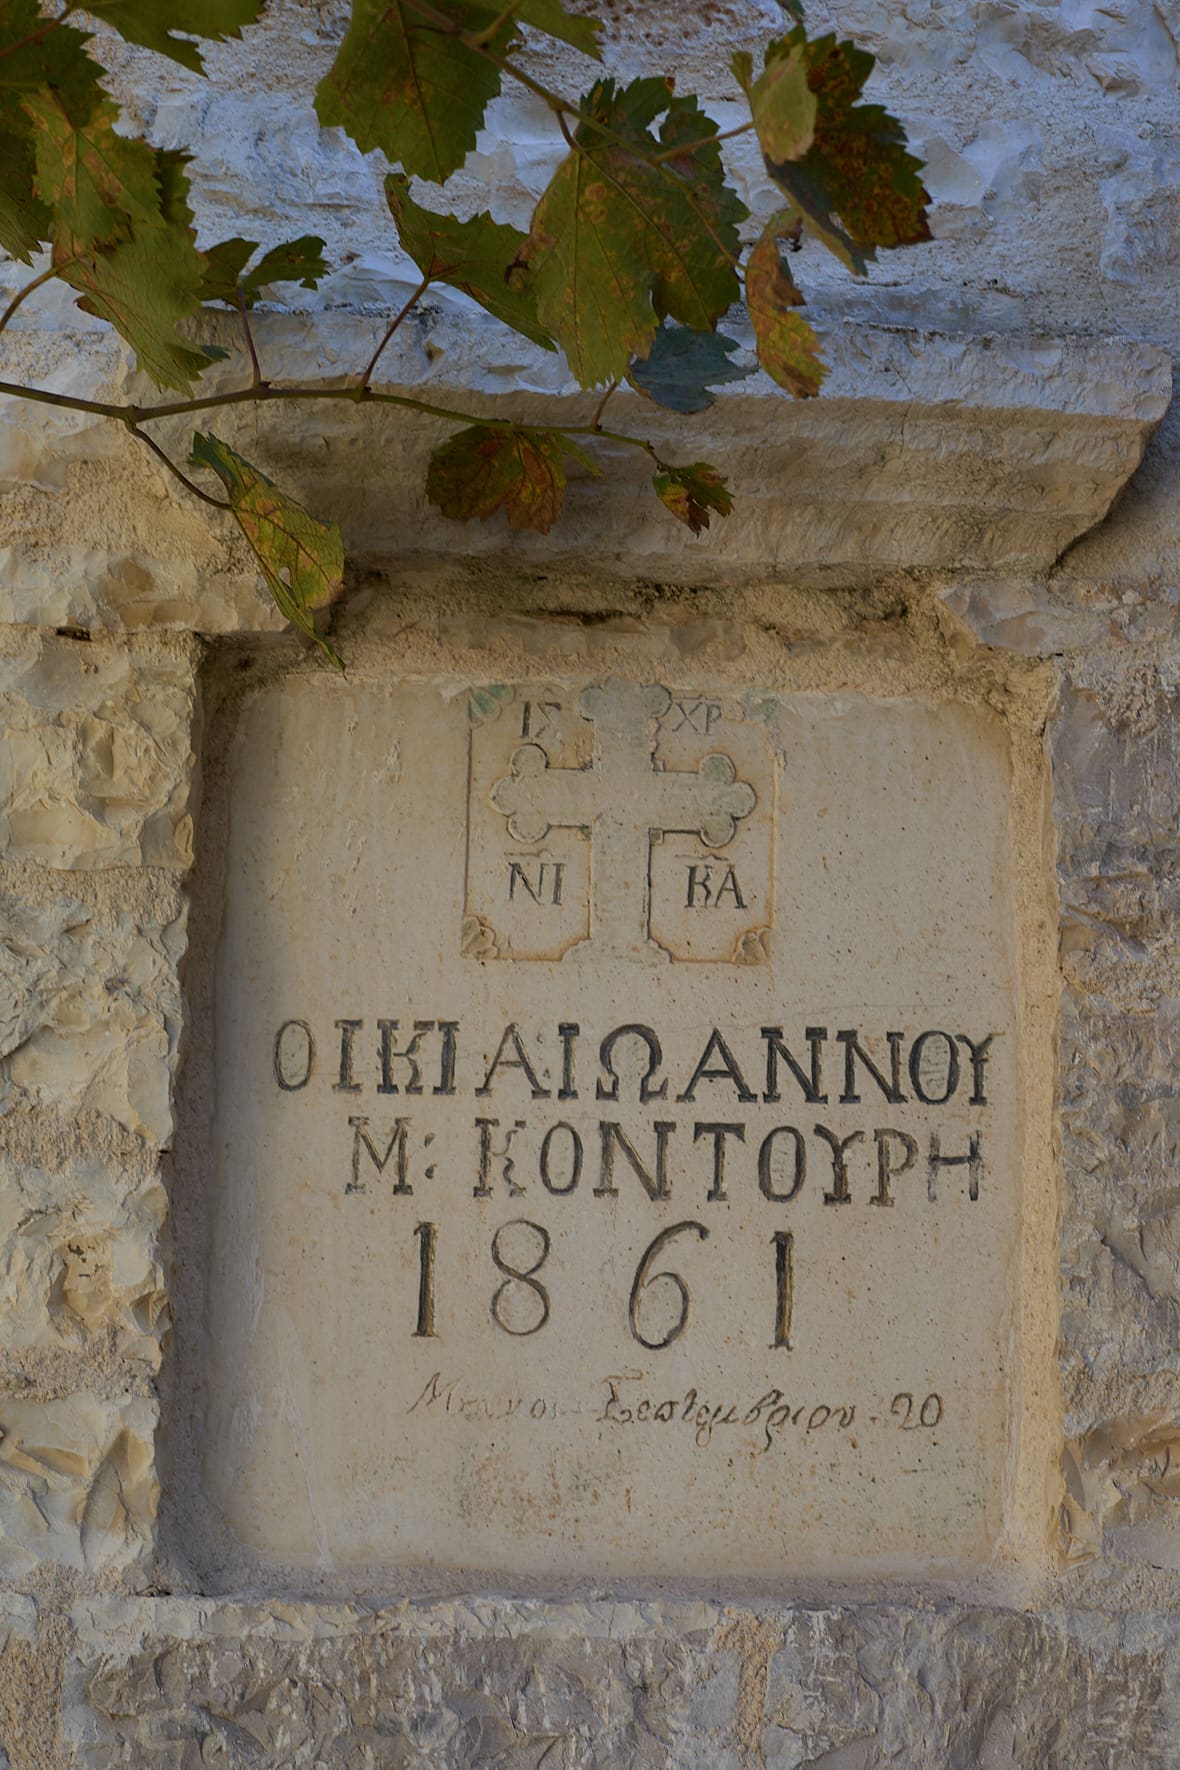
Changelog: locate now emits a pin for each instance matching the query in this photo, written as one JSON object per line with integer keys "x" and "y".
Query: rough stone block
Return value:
{"x": 1120, "y": 1259}
{"x": 963, "y": 1691}
{"x": 80, "y": 1258}
{"x": 77, "y": 1483}
{"x": 90, "y": 1012}
{"x": 97, "y": 760}
{"x": 1119, "y": 1099}
{"x": 1115, "y": 786}
{"x": 596, "y": 1687}
{"x": 20, "y": 1710}
{"x": 1019, "y": 616}
{"x": 1122, "y": 1481}
{"x": 464, "y": 1684}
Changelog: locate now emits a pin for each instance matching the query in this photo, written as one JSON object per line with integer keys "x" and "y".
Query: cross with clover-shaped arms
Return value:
{"x": 620, "y": 801}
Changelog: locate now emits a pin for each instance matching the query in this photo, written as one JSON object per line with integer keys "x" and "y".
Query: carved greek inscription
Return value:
{"x": 539, "y": 880}
{"x": 709, "y": 885}
{"x": 609, "y": 1138}
{"x": 699, "y": 715}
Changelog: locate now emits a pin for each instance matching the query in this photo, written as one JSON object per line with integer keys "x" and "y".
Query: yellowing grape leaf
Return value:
{"x": 857, "y": 186}
{"x": 634, "y": 226}
{"x": 482, "y": 470}
{"x": 37, "y": 59}
{"x": 99, "y": 184}
{"x": 788, "y": 349}
{"x": 301, "y": 558}
{"x": 782, "y": 103}
{"x": 691, "y": 492}
{"x": 474, "y": 255}
{"x": 139, "y": 268}
{"x": 155, "y": 24}
{"x": 682, "y": 366}
{"x": 413, "y": 90}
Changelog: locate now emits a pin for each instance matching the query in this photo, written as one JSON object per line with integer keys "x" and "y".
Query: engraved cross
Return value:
{"x": 620, "y": 801}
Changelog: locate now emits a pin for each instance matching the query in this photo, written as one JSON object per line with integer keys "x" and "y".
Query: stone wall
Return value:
{"x": 961, "y": 497}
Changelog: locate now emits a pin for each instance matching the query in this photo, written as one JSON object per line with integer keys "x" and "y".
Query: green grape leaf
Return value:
{"x": 155, "y": 26}
{"x": 782, "y": 103}
{"x": 474, "y": 256}
{"x": 172, "y": 166}
{"x": 690, "y": 493}
{"x": 34, "y": 58}
{"x": 99, "y": 184}
{"x": 144, "y": 287}
{"x": 573, "y": 28}
{"x": 299, "y": 261}
{"x": 301, "y": 558}
{"x": 224, "y": 264}
{"x": 788, "y": 348}
{"x": 482, "y": 470}
{"x": 682, "y": 366}
{"x": 25, "y": 222}
{"x": 857, "y": 187}
{"x": 686, "y": 136}
{"x": 416, "y": 92}
{"x": 619, "y": 240}
{"x": 140, "y": 21}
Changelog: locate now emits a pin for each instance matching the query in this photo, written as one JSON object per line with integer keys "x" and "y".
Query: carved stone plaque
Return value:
{"x": 617, "y": 1134}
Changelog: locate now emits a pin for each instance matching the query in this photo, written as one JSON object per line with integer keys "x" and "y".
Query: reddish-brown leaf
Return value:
{"x": 482, "y": 470}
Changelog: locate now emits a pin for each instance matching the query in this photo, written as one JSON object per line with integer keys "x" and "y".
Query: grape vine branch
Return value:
{"x": 633, "y": 258}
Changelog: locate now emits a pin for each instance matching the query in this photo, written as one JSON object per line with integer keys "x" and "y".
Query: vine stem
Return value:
{"x": 600, "y": 408}
{"x": 51, "y": 24}
{"x": 490, "y": 32}
{"x": 134, "y": 417}
{"x": 394, "y": 323}
{"x": 255, "y": 365}
{"x": 619, "y": 436}
{"x": 188, "y": 484}
{"x": 37, "y": 282}
{"x": 691, "y": 147}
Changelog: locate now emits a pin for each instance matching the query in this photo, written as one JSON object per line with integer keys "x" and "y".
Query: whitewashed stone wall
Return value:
{"x": 992, "y": 396}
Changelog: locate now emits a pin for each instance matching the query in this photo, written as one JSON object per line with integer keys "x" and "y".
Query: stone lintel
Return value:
{"x": 927, "y": 451}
